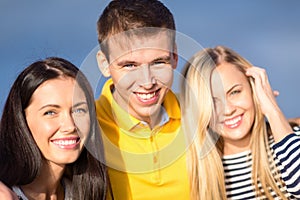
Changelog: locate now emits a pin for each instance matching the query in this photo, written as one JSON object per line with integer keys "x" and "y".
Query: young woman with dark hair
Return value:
{"x": 50, "y": 144}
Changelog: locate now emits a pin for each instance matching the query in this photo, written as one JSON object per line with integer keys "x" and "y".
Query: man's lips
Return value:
{"x": 147, "y": 96}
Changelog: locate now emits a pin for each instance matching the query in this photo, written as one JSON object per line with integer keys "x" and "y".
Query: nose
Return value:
{"x": 147, "y": 78}
{"x": 229, "y": 108}
{"x": 67, "y": 123}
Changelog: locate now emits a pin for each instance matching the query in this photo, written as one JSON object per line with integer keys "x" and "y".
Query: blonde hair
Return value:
{"x": 205, "y": 164}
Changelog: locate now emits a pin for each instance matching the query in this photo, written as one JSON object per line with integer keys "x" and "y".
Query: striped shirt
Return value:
{"x": 238, "y": 168}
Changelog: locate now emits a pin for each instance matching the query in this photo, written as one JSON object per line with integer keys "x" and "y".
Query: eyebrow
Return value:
{"x": 80, "y": 103}
{"x": 163, "y": 58}
{"x": 49, "y": 105}
{"x": 57, "y": 106}
{"x": 125, "y": 62}
{"x": 233, "y": 87}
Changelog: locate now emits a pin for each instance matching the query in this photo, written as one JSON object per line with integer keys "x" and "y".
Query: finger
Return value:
{"x": 258, "y": 73}
{"x": 276, "y": 93}
{"x": 260, "y": 76}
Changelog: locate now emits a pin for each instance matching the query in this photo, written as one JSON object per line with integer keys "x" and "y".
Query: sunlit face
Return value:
{"x": 58, "y": 118}
{"x": 142, "y": 74}
{"x": 234, "y": 105}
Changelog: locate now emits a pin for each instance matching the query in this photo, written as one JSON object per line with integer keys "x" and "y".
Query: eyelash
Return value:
{"x": 50, "y": 112}
{"x": 79, "y": 110}
{"x": 75, "y": 111}
{"x": 161, "y": 62}
{"x": 129, "y": 65}
{"x": 235, "y": 92}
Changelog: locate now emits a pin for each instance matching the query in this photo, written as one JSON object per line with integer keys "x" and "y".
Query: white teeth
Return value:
{"x": 232, "y": 121}
{"x": 146, "y": 96}
{"x": 64, "y": 142}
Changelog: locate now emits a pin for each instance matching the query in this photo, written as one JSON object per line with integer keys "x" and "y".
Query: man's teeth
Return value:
{"x": 233, "y": 121}
{"x": 146, "y": 96}
{"x": 64, "y": 142}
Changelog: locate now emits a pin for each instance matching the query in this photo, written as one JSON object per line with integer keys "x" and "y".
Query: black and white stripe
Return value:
{"x": 238, "y": 168}
{"x": 287, "y": 151}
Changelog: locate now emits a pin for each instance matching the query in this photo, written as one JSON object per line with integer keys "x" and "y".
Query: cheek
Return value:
{"x": 219, "y": 108}
{"x": 218, "y": 128}
{"x": 83, "y": 125}
{"x": 42, "y": 131}
{"x": 248, "y": 106}
{"x": 247, "y": 103}
{"x": 251, "y": 110}
{"x": 123, "y": 81}
{"x": 164, "y": 76}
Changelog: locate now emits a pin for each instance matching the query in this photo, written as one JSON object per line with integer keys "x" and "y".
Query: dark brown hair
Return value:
{"x": 20, "y": 157}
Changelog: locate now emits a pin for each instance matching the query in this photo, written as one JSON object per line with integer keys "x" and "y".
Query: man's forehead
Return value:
{"x": 124, "y": 44}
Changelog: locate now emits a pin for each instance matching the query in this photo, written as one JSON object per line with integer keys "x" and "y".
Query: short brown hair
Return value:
{"x": 125, "y": 15}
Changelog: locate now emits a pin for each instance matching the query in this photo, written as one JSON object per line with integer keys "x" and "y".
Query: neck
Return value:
{"x": 236, "y": 146}
{"x": 154, "y": 119}
{"x": 47, "y": 185}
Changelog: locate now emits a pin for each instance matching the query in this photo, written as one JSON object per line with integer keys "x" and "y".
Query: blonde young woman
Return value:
{"x": 225, "y": 103}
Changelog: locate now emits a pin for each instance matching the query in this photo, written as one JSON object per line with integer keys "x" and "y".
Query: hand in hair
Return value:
{"x": 268, "y": 105}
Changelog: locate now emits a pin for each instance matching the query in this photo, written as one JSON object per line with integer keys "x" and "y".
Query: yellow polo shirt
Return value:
{"x": 143, "y": 163}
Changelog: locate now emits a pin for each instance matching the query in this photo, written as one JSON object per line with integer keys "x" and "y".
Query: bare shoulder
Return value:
{"x": 6, "y": 193}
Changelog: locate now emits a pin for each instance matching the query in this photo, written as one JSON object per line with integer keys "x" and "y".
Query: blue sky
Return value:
{"x": 267, "y": 33}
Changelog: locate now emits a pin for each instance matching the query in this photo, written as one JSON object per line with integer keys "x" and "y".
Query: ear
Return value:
{"x": 175, "y": 56}
{"x": 103, "y": 63}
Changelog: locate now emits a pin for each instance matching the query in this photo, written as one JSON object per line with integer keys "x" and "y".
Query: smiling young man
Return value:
{"x": 138, "y": 113}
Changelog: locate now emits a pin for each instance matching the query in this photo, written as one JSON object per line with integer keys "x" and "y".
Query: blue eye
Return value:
{"x": 129, "y": 65}
{"x": 50, "y": 113}
{"x": 80, "y": 110}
